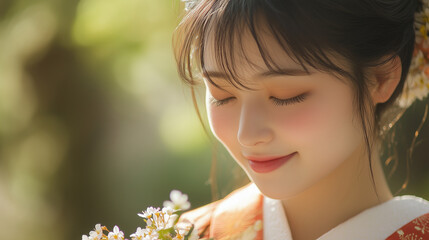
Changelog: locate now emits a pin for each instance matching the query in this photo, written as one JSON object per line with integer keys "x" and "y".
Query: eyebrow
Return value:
{"x": 269, "y": 73}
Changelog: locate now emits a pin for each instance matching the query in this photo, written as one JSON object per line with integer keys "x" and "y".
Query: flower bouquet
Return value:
{"x": 161, "y": 224}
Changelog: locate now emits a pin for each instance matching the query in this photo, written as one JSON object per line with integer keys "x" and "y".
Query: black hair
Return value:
{"x": 366, "y": 33}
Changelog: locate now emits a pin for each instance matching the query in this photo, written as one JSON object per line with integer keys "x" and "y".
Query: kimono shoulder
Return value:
{"x": 385, "y": 219}
{"x": 200, "y": 218}
{"x": 237, "y": 216}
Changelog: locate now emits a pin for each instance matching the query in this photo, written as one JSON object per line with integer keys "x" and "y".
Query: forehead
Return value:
{"x": 245, "y": 53}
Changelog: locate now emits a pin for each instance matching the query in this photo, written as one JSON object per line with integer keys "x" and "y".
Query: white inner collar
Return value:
{"x": 377, "y": 222}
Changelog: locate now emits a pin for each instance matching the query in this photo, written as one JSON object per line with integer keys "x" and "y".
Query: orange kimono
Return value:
{"x": 240, "y": 215}
{"x": 237, "y": 216}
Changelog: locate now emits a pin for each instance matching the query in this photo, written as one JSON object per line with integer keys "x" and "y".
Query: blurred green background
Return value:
{"x": 95, "y": 124}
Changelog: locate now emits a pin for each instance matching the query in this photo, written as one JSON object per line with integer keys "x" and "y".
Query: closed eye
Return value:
{"x": 277, "y": 101}
{"x": 220, "y": 102}
{"x": 288, "y": 101}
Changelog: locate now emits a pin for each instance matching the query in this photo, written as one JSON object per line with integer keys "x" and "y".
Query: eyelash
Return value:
{"x": 278, "y": 102}
{"x": 297, "y": 99}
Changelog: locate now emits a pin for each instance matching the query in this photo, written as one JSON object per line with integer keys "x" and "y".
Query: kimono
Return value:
{"x": 246, "y": 214}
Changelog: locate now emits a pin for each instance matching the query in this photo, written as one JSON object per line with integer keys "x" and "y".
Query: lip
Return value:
{"x": 268, "y": 164}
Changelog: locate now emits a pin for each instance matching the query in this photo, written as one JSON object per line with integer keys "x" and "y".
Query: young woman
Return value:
{"x": 296, "y": 91}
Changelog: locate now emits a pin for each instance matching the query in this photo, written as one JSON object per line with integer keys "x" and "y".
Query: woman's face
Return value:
{"x": 255, "y": 125}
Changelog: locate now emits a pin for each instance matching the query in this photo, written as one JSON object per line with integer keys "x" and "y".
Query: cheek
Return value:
{"x": 221, "y": 120}
{"x": 300, "y": 120}
{"x": 322, "y": 128}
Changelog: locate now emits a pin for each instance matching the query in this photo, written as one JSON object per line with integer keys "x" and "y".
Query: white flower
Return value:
{"x": 183, "y": 228}
{"x": 149, "y": 213}
{"x": 85, "y": 237}
{"x": 170, "y": 219}
{"x": 94, "y": 235}
{"x": 138, "y": 235}
{"x": 159, "y": 219}
{"x": 179, "y": 201}
{"x": 162, "y": 223}
{"x": 180, "y": 235}
{"x": 150, "y": 234}
{"x": 98, "y": 233}
{"x": 168, "y": 210}
{"x": 116, "y": 234}
{"x": 416, "y": 87}
{"x": 149, "y": 222}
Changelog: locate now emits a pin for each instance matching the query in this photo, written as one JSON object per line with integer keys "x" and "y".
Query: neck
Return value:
{"x": 341, "y": 195}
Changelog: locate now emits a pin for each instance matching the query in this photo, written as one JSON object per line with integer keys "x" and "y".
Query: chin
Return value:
{"x": 278, "y": 189}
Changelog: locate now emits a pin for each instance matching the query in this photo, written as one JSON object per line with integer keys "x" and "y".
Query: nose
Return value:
{"x": 254, "y": 126}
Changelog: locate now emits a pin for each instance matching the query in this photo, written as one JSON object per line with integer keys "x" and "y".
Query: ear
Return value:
{"x": 386, "y": 78}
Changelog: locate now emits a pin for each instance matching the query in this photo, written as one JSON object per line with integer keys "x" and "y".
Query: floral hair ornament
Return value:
{"x": 190, "y": 4}
{"x": 416, "y": 84}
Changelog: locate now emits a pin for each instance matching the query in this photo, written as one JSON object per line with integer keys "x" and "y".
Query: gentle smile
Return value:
{"x": 268, "y": 164}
